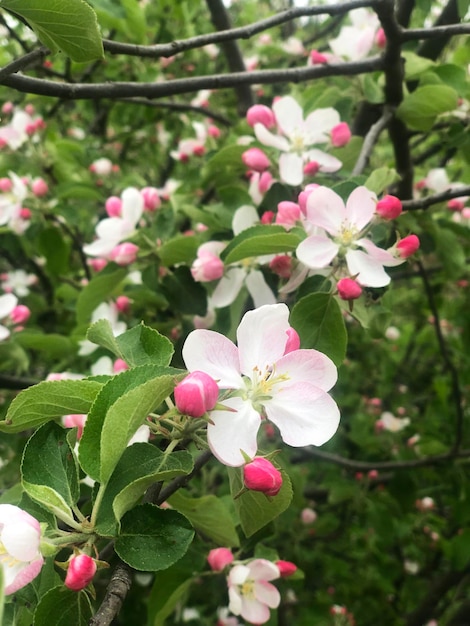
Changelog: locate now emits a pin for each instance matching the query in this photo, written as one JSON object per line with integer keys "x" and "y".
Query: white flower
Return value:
{"x": 11, "y": 202}
{"x": 266, "y": 377}
{"x": 112, "y": 230}
{"x": 393, "y": 424}
{"x": 296, "y": 138}
{"x": 250, "y": 593}
{"x": 355, "y": 42}
{"x": 7, "y": 303}
{"x": 18, "y": 282}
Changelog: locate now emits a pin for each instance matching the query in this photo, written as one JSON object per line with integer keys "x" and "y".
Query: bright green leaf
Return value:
{"x": 98, "y": 290}
{"x": 421, "y": 107}
{"x": 260, "y": 240}
{"x": 380, "y": 179}
{"x": 145, "y": 346}
{"x": 179, "y": 249}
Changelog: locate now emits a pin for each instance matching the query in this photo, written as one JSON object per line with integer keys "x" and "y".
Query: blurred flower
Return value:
{"x": 250, "y": 593}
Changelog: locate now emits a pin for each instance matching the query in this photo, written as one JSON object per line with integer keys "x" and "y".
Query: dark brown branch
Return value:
{"x": 243, "y": 32}
{"x": 434, "y": 32}
{"x": 15, "y": 382}
{"x": 424, "y": 203}
{"x": 24, "y": 61}
{"x": 221, "y": 20}
{"x": 370, "y": 141}
{"x": 116, "y": 593}
{"x": 432, "y": 48}
{"x": 81, "y": 91}
{"x": 182, "y": 481}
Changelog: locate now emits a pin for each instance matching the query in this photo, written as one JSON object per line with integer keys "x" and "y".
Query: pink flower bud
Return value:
{"x": 348, "y": 289}
{"x": 218, "y": 558}
{"x": 113, "y": 206}
{"x": 281, "y": 265}
{"x": 199, "y": 150}
{"x": 20, "y": 314}
{"x": 213, "y": 131}
{"x": 311, "y": 168}
{"x": 373, "y": 474}
{"x": 303, "y": 197}
{"x": 207, "y": 267}
{"x": 39, "y": 187}
{"x": 286, "y": 568}
{"x": 261, "y": 475}
{"x": 120, "y": 365}
{"x": 293, "y": 340}
{"x": 124, "y": 253}
{"x": 25, "y": 213}
{"x": 265, "y": 182}
{"x": 407, "y": 246}
{"x": 123, "y": 304}
{"x": 380, "y": 38}
{"x": 101, "y": 167}
{"x": 97, "y": 264}
{"x": 288, "y": 214}
{"x": 340, "y": 135}
{"x": 196, "y": 394}
{"x": 6, "y": 185}
{"x": 267, "y": 217}
{"x": 255, "y": 159}
{"x": 455, "y": 205}
{"x": 80, "y": 573}
{"x": 389, "y": 208}
{"x": 7, "y": 108}
{"x": 260, "y": 114}
{"x": 151, "y": 198}
{"x": 74, "y": 421}
{"x": 308, "y": 516}
{"x": 317, "y": 58}
{"x": 29, "y": 108}
{"x": 466, "y": 213}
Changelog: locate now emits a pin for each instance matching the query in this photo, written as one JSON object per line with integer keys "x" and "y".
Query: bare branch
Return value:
{"x": 24, "y": 61}
{"x": 435, "y": 31}
{"x": 370, "y": 141}
{"x": 424, "y": 203}
{"x": 181, "y": 481}
{"x": 116, "y": 593}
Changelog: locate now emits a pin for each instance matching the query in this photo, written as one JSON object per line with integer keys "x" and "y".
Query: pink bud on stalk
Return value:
{"x": 218, "y": 558}
{"x": 286, "y": 568}
{"x": 261, "y": 475}
{"x": 80, "y": 572}
{"x": 113, "y": 206}
{"x": 317, "y": 58}
{"x": 389, "y": 208}
{"x": 348, "y": 289}
{"x": 256, "y": 159}
{"x": 123, "y": 304}
{"x": 260, "y": 114}
{"x": 340, "y": 135}
{"x": 288, "y": 214}
{"x": 39, "y": 187}
{"x": 151, "y": 198}
{"x": 20, "y": 314}
{"x": 407, "y": 246}
{"x": 124, "y": 253}
{"x": 196, "y": 394}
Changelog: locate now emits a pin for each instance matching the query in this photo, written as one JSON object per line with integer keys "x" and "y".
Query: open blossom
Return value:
{"x": 194, "y": 146}
{"x": 296, "y": 138}
{"x": 18, "y": 130}
{"x": 344, "y": 227}
{"x": 355, "y": 42}
{"x": 8, "y": 303}
{"x": 250, "y": 593}
{"x": 391, "y": 423}
{"x": 17, "y": 282}
{"x": 20, "y": 557}
{"x": 288, "y": 387}
{"x": 112, "y": 230}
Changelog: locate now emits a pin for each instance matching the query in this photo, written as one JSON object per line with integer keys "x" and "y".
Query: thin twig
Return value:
{"x": 24, "y": 61}
{"x": 181, "y": 481}
{"x": 178, "y": 106}
{"x": 424, "y": 203}
{"x": 370, "y": 141}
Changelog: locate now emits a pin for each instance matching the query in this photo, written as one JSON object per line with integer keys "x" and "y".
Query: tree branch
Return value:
{"x": 424, "y": 203}
{"x": 370, "y": 141}
{"x": 24, "y": 61}
{"x": 116, "y": 593}
{"x": 178, "y": 106}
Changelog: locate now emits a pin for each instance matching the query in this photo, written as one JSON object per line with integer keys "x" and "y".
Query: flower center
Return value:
{"x": 6, "y": 558}
{"x": 297, "y": 143}
{"x": 347, "y": 235}
{"x": 259, "y": 388}
{"x": 248, "y": 589}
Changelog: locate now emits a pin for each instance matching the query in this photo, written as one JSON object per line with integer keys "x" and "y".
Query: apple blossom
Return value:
{"x": 289, "y": 389}
{"x": 101, "y": 167}
{"x": 113, "y": 206}
{"x": 123, "y": 304}
{"x": 196, "y": 394}
{"x": 20, "y": 534}
{"x": 355, "y": 42}
{"x": 260, "y": 183}
{"x": 340, "y": 135}
{"x": 391, "y": 423}
{"x": 308, "y": 516}
{"x": 318, "y": 58}
{"x": 39, "y": 187}
{"x": 208, "y": 266}
{"x": 288, "y": 214}
{"x": 151, "y": 198}
{"x": 281, "y": 265}
{"x": 407, "y": 246}
{"x": 20, "y": 314}
{"x": 250, "y": 594}
{"x": 296, "y": 136}
{"x": 119, "y": 366}
{"x": 261, "y": 475}
{"x": 8, "y": 303}
{"x": 124, "y": 253}
{"x": 108, "y": 311}
{"x": 75, "y": 421}
{"x": 11, "y": 201}
{"x": 219, "y": 558}
{"x": 344, "y": 227}
{"x": 17, "y": 131}
{"x": 80, "y": 572}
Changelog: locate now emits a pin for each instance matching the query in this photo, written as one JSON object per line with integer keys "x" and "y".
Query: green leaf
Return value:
{"x": 145, "y": 346}
{"x": 2, "y": 594}
{"x": 55, "y": 248}
{"x": 415, "y": 65}
{"x": 421, "y": 107}
{"x": 48, "y": 460}
{"x": 152, "y": 539}
{"x": 102, "y": 334}
{"x": 255, "y": 509}
{"x": 120, "y": 408}
{"x": 141, "y": 465}
{"x": 260, "y": 240}
{"x": 67, "y": 25}
{"x": 320, "y": 324}
{"x": 47, "y": 401}
{"x": 62, "y": 607}
{"x": 459, "y": 549}
{"x": 463, "y": 6}
{"x": 180, "y": 249}
{"x": 225, "y": 167}
{"x": 183, "y": 293}
{"x": 98, "y": 290}
{"x": 380, "y": 179}
{"x": 209, "y": 516}
{"x": 49, "y": 499}
{"x": 53, "y": 345}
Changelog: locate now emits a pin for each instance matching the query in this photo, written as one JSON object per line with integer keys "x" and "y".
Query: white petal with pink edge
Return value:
{"x": 291, "y": 168}
{"x": 317, "y": 251}
{"x": 214, "y": 354}
{"x": 360, "y": 207}
{"x": 289, "y": 115}
{"x": 267, "y": 594}
{"x": 318, "y": 125}
{"x": 368, "y": 271}
{"x": 259, "y": 289}
{"x": 326, "y": 210}
{"x": 310, "y": 366}
{"x": 228, "y": 288}
{"x": 267, "y": 138}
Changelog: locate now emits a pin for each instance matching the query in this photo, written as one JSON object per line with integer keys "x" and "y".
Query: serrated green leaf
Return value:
{"x": 209, "y": 516}
{"x": 254, "y": 508}
{"x": 48, "y": 460}
{"x": 67, "y": 25}
{"x": 420, "y": 108}
{"x": 102, "y": 334}
{"x": 47, "y": 401}
{"x": 62, "y": 607}
{"x": 152, "y": 539}
{"x": 380, "y": 179}
{"x": 260, "y": 240}
{"x": 140, "y": 466}
{"x": 49, "y": 499}
{"x": 145, "y": 346}
{"x": 179, "y": 249}
{"x": 54, "y": 345}
{"x": 320, "y": 324}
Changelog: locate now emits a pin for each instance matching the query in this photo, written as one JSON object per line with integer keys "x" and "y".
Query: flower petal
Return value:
{"x": 212, "y": 353}
{"x": 316, "y": 251}
{"x": 19, "y": 575}
{"x": 233, "y": 431}
{"x": 368, "y": 270}
{"x": 291, "y": 168}
{"x": 267, "y": 138}
{"x": 309, "y": 366}
{"x": 304, "y": 414}
{"x": 258, "y": 289}
{"x": 262, "y": 569}
{"x": 379, "y": 254}
{"x": 318, "y": 125}
{"x": 267, "y": 594}
{"x": 326, "y": 210}
{"x": 8, "y": 301}
{"x": 360, "y": 207}
{"x": 243, "y": 218}
{"x": 253, "y": 611}
{"x": 132, "y": 205}
{"x": 262, "y": 337}
{"x": 327, "y": 163}
{"x": 228, "y": 288}
{"x": 289, "y": 115}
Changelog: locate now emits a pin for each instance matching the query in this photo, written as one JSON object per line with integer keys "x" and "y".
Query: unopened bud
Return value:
{"x": 20, "y": 314}
{"x": 407, "y": 246}
{"x": 281, "y": 265}
{"x": 260, "y": 114}
{"x": 39, "y": 187}
{"x": 151, "y": 198}
{"x": 286, "y": 568}
{"x": 317, "y": 58}
{"x": 340, "y": 135}
{"x": 113, "y": 206}
{"x": 348, "y": 289}
{"x": 288, "y": 213}
{"x": 80, "y": 572}
{"x": 256, "y": 159}
{"x": 124, "y": 253}
{"x": 380, "y": 38}
{"x": 196, "y": 394}
{"x": 261, "y": 475}
{"x": 218, "y": 558}
{"x": 389, "y": 208}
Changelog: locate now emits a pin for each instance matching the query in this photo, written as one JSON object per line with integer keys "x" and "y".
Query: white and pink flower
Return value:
{"x": 264, "y": 377}
{"x": 251, "y": 594}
